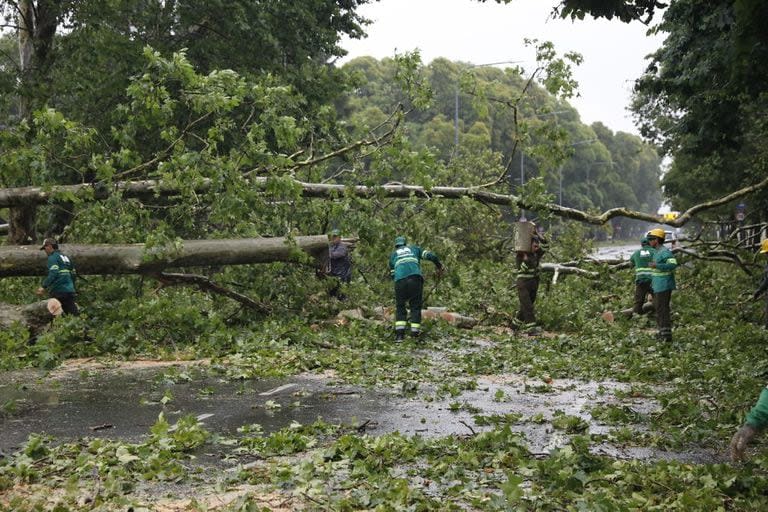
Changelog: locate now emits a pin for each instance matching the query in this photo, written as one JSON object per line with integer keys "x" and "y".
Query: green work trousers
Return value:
{"x": 408, "y": 291}
{"x": 642, "y": 289}
{"x": 526, "y": 293}
{"x": 661, "y": 302}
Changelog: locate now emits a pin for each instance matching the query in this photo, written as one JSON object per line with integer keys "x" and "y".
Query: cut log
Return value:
{"x": 32, "y": 316}
{"x": 136, "y": 259}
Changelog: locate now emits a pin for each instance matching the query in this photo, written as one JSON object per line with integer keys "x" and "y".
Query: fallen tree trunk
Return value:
{"x": 28, "y": 260}
{"x": 31, "y": 196}
{"x": 33, "y": 316}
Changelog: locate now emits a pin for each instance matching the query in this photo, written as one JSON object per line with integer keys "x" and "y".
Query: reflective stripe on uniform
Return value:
{"x": 415, "y": 327}
{"x": 409, "y": 259}
{"x": 400, "y": 324}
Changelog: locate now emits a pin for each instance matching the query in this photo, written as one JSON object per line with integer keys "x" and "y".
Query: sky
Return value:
{"x": 479, "y": 33}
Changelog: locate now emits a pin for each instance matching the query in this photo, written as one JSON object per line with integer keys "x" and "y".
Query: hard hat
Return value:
{"x": 49, "y": 241}
{"x": 335, "y": 232}
{"x": 400, "y": 241}
{"x": 656, "y": 233}
{"x": 764, "y": 246}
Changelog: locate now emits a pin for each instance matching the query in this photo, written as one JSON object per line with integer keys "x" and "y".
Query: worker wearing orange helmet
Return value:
{"x": 663, "y": 266}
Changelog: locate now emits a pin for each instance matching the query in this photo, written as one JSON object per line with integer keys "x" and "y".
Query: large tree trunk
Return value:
{"x": 135, "y": 259}
{"x": 37, "y": 27}
{"x": 21, "y": 224}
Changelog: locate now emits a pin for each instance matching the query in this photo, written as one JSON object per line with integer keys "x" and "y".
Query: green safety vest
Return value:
{"x": 405, "y": 261}
{"x": 641, "y": 259}
{"x": 664, "y": 273}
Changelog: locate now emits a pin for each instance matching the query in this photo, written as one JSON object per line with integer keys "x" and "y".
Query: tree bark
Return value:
{"x": 37, "y": 27}
{"x": 136, "y": 259}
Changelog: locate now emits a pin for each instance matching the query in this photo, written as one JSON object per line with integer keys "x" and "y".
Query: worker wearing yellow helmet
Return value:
{"x": 663, "y": 266}
{"x": 757, "y": 418}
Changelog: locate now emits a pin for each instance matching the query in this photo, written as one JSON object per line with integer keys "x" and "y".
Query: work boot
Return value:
{"x": 399, "y": 335}
{"x": 415, "y": 333}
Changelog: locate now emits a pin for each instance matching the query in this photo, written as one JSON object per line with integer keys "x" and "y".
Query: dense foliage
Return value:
{"x": 208, "y": 113}
{"x": 703, "y": 99}
{"x": 702, "y": 384}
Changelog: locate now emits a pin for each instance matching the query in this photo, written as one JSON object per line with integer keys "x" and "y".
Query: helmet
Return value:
{"x": 335, "y": 232}
{"x": 400, "y": 241}
{"x": 764, "y": 246}
{"x": 656, "y": 233}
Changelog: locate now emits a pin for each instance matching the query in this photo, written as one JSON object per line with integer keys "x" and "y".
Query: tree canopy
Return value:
{"x": 703, "y": 98}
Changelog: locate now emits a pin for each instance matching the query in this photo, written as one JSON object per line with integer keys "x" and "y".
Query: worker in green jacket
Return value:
{"x": 641, "y": 260}
{"x": 663, "y": 265}
{"x": 405, "y": 268}
{"x": 60, "y": 281}
{"x": 757, "y": 420}
{"x": 527, "y": 283}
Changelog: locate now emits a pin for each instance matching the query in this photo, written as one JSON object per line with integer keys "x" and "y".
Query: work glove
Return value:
{"x": 740, "y": 440}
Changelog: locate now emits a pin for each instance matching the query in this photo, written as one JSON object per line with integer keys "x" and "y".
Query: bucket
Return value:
{"x": 524, "y": 231}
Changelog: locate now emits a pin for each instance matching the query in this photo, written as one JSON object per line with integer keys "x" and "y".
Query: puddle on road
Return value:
{"x": 123, "y": 403}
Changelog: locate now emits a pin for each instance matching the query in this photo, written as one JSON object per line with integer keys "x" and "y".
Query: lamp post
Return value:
{"x": 456, "y": 97}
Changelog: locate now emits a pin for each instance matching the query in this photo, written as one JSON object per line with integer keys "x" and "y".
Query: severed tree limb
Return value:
{"x": 33, "y": 316}
{"x": 205, "y": 284}
{"x": 558, "y": 269}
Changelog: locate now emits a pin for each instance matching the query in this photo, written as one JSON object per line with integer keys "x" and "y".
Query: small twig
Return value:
{"x": 468, "y": 426}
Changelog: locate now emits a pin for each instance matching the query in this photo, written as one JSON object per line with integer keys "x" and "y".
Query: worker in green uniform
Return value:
{"x": 757, "y": 418}
{"x": 405, "y": 268}
{"x": 60, "y": 281}
{"x": 641, "y": 260}
{"x": 663, "y": 265}
{"x": 528, "y": 282}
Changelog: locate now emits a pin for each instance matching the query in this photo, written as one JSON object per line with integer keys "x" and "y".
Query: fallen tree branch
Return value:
{"x": 205, "y": 284}
{"x": 14, "y": 197}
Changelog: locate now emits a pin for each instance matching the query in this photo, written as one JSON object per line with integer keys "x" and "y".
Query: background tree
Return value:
{"x": 703, "y": 99}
